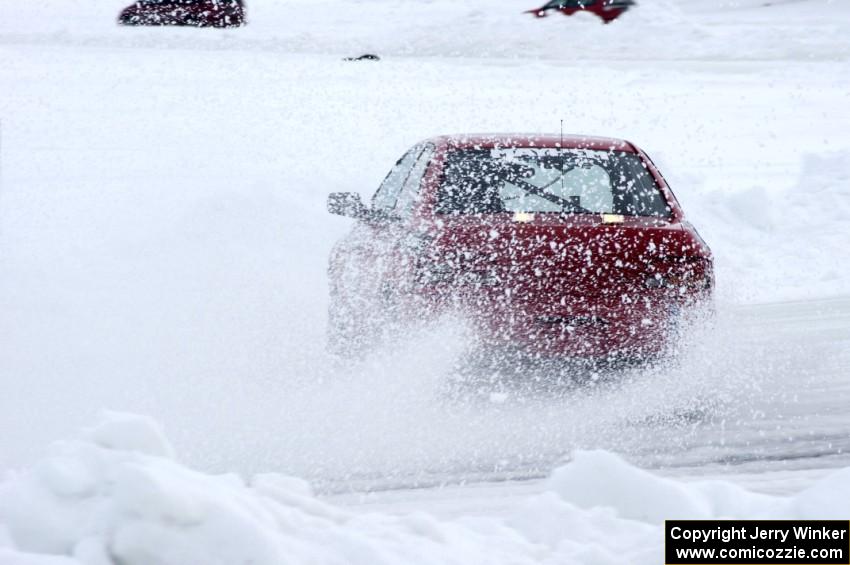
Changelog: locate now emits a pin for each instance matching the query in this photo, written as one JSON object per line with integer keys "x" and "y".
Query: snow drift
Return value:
{"x": 797, "y": 226}
{"x": 116, "y": 495}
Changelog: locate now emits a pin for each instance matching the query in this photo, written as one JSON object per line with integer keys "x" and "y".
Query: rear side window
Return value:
{"x": 540, "y": 180}
{"x": 199, "y": 3}
{"x": 387, "y": 195}
{"x": 411, "y": 189}
{"x": 556, "y": 4}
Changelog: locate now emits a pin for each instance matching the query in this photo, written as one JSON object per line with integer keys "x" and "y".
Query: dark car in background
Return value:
{"x": 553, "y": 246}
{"x": 195, "y": 13}
{"x": 607, "y": 10}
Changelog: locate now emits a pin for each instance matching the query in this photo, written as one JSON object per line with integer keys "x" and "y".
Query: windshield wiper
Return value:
{"x": 565, "y": 204}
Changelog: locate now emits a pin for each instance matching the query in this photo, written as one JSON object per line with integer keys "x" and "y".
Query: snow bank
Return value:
{"x": 116, "y": 496}
{"x": 785, "y": 242}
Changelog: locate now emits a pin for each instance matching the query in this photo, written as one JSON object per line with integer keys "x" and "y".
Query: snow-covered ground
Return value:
{"x": 163, "y": 244}
{"x": 116, "y": 496}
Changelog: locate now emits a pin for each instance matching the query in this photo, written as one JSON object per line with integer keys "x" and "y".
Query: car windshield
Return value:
{"x": 572, "y": 181}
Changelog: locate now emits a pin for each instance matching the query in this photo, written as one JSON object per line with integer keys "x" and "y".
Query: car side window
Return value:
{"x": 411, "y": 190}
{"x": 387, "y": 195}
{"x": 556, "y": 4}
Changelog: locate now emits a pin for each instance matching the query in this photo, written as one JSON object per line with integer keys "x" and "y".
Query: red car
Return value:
{"x": 570, "y": 247}
{"x": 607, "y": 10}
{"x": 197, "y": 13}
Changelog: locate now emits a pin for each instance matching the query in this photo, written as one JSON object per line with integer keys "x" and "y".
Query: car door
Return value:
{"x": 403, "y": 235}
{"x": 210, "y": 12}
{"x": 185, "y": 12}
{"x": 361, "y": 262}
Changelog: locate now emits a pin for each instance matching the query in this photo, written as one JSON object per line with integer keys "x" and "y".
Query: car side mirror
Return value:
{"x": 347, "y": 204}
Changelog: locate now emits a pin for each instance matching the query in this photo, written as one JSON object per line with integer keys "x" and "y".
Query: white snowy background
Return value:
{"x": 163, "y": 245}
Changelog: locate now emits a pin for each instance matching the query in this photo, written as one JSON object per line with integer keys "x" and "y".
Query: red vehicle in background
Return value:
{"x": 196, "y": 13}
{"x": 570, "y": 247}
{"x": 607, "y": 10}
